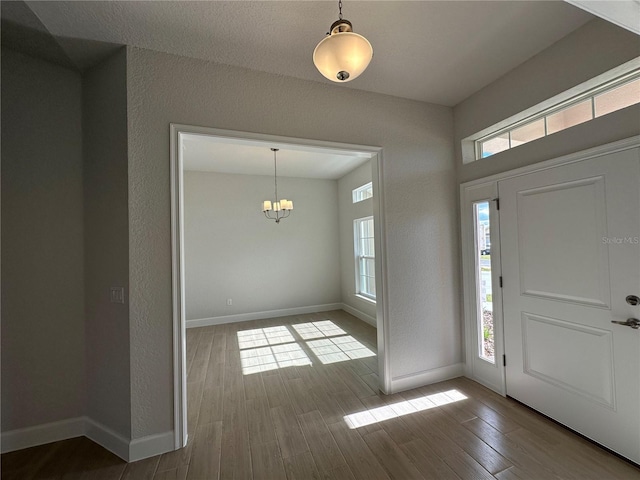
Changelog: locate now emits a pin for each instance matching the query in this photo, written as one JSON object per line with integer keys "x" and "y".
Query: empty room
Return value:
{"x": 340, "y": 240}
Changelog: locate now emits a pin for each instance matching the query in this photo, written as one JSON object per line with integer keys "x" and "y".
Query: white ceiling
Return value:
{"x": 439, "y": 52}
{"x": 252, "y": 157}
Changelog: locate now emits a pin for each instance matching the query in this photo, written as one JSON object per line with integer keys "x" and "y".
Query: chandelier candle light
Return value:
{"x": 280, "y": 208}
{"x": 342, "y": 55}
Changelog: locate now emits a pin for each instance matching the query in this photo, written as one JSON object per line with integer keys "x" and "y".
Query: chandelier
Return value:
{"x": 280, "y": 208}
{"x": 342, "y": 55}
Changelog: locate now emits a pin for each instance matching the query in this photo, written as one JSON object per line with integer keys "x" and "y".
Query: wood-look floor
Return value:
{"x": 289, "y": 422}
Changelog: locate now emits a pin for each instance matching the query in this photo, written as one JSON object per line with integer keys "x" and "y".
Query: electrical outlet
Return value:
{"x": 229, "y": 302}
{"x": 116, "y": 294}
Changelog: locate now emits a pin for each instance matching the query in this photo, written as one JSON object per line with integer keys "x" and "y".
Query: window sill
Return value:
{"x": 366, "y": 299}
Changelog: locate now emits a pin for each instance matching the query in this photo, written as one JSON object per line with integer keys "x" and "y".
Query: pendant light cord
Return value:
{"x": 340, "y": 9}
{"x": 275, "y": 171}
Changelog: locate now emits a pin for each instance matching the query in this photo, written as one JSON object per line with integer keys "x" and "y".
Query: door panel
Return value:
{"x": 565, "y": 218}
{"x": 570, "y": 255}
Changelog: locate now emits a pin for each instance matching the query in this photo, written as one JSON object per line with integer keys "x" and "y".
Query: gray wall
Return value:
{"x": 42, "y": 243}
{"x": 589, "y": 51}
{"x": 419, "y": 187}
{"x": 106, "y": 243}
{"x": 348, "y": 212}
{"x": 232, "y": 251}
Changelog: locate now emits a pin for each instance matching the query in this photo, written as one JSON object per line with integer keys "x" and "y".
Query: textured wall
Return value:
{"x": 42, "y": 245}
{"x": 589, "y": 51}
{"x": 106, "y": 243}
{"x": 232, "y": 251}
{"x": 419, "y": 187}
{"x": 350, "y": 211}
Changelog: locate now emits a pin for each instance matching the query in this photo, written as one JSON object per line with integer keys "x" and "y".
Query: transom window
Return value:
{"x": 365, "y": 257}
{"x": 363, "y": 192}
{"x": 601, "y": 100}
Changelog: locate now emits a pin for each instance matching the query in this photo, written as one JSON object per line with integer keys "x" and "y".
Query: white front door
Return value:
{"x": 570, "y": 257}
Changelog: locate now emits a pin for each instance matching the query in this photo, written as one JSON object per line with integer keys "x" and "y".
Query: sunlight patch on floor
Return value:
{"x": 270, "y": 348}
{"x": 399, "y": 409}
{"x": 325, "y": 328}
{"x": 340, "y": 349}
{"x": 263, "y": 359}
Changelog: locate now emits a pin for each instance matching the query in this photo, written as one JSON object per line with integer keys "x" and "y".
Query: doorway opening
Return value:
{"x": 198, "y": 148}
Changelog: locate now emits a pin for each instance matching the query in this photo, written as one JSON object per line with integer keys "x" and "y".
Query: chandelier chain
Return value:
{"x": 340, "y": 9}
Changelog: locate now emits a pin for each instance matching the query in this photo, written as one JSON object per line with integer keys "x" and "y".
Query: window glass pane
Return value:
{"x": 570, "y": 116}
{"x": 363, "y": 192}
{"x": 495, "y": 145}
{"x": 484, "y": 291}
{"x": 528, "y": 132}
{"x": 365, "y": 254}
{"x": 620, "y": 97}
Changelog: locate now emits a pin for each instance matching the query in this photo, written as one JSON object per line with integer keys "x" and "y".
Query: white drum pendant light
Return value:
{"x": 342, "y": 55}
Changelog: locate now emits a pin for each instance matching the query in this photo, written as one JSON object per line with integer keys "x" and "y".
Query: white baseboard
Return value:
{"x": 420, "y": 379}
{"x": 41, "y": 434}
{"x": 151, "y": 445}
{"x": 361, "y": 315}
{"x": 128, "y": 450}
{"x": 103, "y": 435}
{"x": 245, "y": 317}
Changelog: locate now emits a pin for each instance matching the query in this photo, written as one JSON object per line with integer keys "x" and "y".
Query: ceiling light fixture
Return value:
{"x": 342, "y": 55}
{"x": 280, "y": 208}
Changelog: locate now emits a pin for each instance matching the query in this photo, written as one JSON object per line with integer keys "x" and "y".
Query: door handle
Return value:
{"x": 630, "y": 322}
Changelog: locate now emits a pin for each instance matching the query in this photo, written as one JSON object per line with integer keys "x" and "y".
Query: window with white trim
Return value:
{"x": 595, "y": 102}
{"x": 365, "y": 257}
{"x": 363, "y": 192}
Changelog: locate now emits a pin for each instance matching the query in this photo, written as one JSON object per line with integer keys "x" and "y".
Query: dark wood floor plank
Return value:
{"x": 427, "y": 462}
{"x": 394, "y": 461}
{"x": 179, "y": 473}
{"x": 290, "y": 437}
{"x": 207, "y": 445}
{"x": 359, "y": 457}
{"x": 467, "y": 468}
{"x": 141, "y": 470}
{"x": 259, "y": 421}
{"x": 323, "y": 447}
{"x": 267, "y": 463}
{"x": 301, "y": 467}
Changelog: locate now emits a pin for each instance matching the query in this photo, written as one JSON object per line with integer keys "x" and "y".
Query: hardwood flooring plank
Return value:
{"x": 194, "y": 399}
{"x": 253, "y": 387}
{"x": 198, "y": 370}
{"x": 236, "y": 455}
{"x": 179, "y": 473}
{"x": 394, "y": 461}
{"x": 276, "y": 393}
{"x": 207, "y": 446}
{"x": 259, "y": 421}
{"x": 176, "y": 459}
{"x": 486, "y": 456}
{"x": 267, "y": 463}
{"x": 290, "y": 437}
{"x": 323, "y": 447}
{"x": 467, "y": 468}
{"x": 141, "y": 470}
{"x": 427, "y": 463}
{"x": 301, "y": 467}
{"x": 299, "y": 395}
{"x": 359, "y": 457}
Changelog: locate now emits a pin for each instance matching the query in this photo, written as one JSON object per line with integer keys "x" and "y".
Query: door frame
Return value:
{"x": 177, "y": 255}
{"x": 467, "y": 191}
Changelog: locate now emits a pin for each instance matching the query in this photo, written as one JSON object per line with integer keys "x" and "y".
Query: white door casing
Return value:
{"x": 570, "y": 255}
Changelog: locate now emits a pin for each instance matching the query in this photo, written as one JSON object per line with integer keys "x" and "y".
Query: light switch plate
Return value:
{"x": 117, "y": 295}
